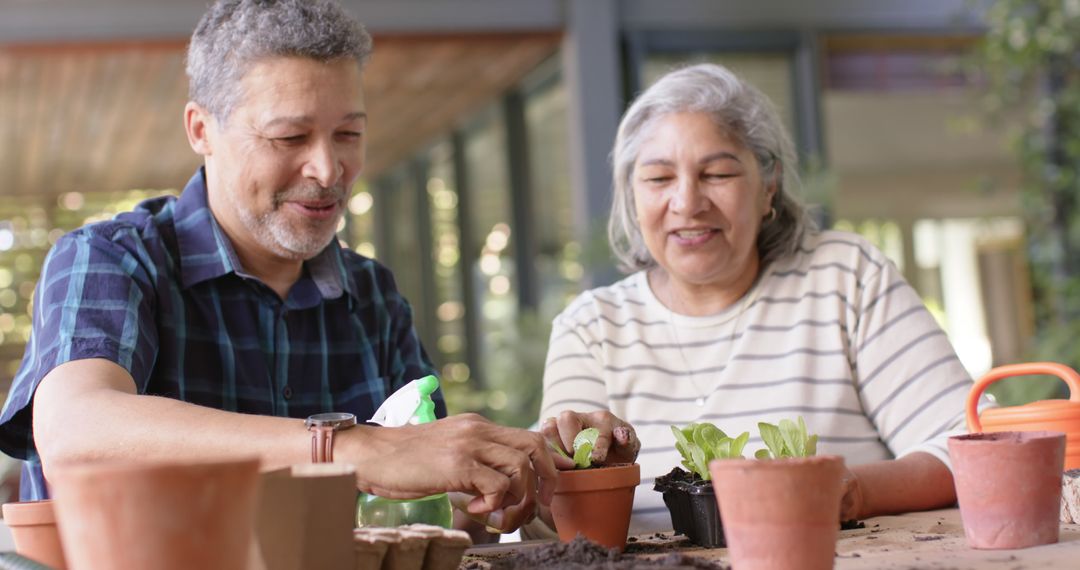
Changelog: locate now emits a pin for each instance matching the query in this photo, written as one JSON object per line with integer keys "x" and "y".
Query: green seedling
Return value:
{"x": 584, "y": 442}
{"x": 786, "y": 440}
{"x": 700, "y": 443}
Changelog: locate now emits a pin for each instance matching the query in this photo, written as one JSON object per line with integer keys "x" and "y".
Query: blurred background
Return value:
{"x": 943, "y": 130}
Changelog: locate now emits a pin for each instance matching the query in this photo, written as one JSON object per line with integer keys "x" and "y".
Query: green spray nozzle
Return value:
{"x": 426, "y": 386}
{"x": 410, "y": 404}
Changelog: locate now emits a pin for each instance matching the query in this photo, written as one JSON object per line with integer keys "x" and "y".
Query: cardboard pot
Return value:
{"x": 123, "y": 515}
{"x": 1008, "y": 485}
{"x": 305, "y": 517}
{"x": 33, "y": 528}
{"x": 596, "y": 503}
{"x": 780, "y": 514}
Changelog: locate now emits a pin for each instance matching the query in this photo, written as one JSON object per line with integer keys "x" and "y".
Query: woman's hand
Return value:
{"x": 617, "y": 443}
{"x": 851, "y": 499}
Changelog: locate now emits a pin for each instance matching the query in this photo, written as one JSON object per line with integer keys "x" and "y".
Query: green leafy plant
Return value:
{"x": 1027, "y": 63}
{"x": 700, "y": 443}
{"x": 786, "y": 440}
{"x": 584, "y": 442}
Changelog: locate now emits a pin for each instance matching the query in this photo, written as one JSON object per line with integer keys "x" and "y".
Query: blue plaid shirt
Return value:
{"x": 160, "y": 292}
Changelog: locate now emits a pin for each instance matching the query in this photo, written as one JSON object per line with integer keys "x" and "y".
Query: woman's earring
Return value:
{"x": 771, "y": 217}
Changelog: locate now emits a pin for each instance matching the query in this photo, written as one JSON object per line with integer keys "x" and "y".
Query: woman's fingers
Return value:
{"x": 549, "y": 429}
{"x": 569, "y": 423}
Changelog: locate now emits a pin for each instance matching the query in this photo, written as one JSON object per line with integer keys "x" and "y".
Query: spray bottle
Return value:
{"x": 409, "y": 405}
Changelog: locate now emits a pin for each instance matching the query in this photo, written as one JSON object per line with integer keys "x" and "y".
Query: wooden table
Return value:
{"x": 930, "y": 540}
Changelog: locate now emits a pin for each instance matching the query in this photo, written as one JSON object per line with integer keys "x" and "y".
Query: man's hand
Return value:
{"x": 504, "y": 469}
{"x": 618, "y": 442}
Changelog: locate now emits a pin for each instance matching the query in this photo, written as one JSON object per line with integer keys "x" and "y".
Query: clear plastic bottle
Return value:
{"x": 372, "y": 510}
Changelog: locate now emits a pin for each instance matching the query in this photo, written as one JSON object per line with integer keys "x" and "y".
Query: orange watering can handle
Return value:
{"x": 1030, "y": 368}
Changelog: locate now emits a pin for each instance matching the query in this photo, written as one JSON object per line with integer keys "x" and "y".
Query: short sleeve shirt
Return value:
{"x": 160, "y": 292}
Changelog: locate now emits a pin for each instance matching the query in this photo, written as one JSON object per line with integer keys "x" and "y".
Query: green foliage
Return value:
{"x": 584, "y": 442}
{"x": 510, "y": 390}
{"x": 1028, "y": 62}
{"x": 700, "y": 443}
{"x": 786, "y": 440}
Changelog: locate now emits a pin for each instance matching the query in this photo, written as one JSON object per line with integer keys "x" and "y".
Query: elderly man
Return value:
{"x": 210, "y": 325}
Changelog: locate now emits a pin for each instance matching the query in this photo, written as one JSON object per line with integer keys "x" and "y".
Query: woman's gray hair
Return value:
{"x": 743, "y": 113}
{"x": 234, "y": 34}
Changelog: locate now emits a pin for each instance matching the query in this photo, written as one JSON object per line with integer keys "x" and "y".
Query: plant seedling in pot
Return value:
{"x": 689, "y": 495}
{"x": 701, "y": 443}
{"x": 786, "y": 440}
{"x": 584, "y": 442}
{"x": 593, "y": 500}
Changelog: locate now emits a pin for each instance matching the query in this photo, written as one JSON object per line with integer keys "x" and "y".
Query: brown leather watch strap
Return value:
{"x": 322, "y": 444}
{"x": 322, "y": 427}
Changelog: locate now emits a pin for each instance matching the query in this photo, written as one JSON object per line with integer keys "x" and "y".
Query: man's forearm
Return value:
{"x": 915, "y": 482}
{"x": 88, "y": 409}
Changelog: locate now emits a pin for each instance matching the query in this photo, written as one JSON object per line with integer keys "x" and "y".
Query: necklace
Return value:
{"x": 744, "y": 304}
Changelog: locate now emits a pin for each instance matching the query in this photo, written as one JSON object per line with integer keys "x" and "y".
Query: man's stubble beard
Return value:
{"x": 273, "y": 231}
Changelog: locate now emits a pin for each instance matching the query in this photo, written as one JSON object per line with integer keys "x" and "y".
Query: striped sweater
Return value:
{"x": 832, "y": 333}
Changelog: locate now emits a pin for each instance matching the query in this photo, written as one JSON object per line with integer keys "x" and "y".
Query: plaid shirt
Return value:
{"x": 160, "y": 292}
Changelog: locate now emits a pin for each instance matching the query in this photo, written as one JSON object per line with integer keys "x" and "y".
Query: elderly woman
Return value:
{"x": 739, "y": 311}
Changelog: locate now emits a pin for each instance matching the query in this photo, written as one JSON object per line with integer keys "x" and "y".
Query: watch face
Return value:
{"x": 336, "y": 420}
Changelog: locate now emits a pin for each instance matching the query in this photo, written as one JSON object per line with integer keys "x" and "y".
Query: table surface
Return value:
{"x": 930, "y": 540}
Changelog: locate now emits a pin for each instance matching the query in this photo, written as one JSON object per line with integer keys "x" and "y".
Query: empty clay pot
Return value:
{"x": 1008, "y": 485}
{"x": 168, "y": 516}
{"x": 596, "y": 503}
{"x": 33, "y": 528}
{"x": 780, "y": 514}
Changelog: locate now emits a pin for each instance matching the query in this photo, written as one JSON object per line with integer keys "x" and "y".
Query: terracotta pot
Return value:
{"x": 33, "y": 528}
{"x": 596, "y": 503}
{"x": 1044, "y": 415}
{"x": 132, "y": 516}
{"x": 1009, "y": 487}
{"x": 780, "y": 514}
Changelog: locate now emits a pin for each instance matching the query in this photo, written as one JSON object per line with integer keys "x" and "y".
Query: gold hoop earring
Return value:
{"x": 771, "y": 216}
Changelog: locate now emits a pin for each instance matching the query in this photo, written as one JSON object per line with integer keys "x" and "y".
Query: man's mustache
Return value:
{"x": 311, "y": 193}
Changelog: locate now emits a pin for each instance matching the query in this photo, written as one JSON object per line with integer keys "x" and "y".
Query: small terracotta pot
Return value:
{"x": 33, "y": 527}
{"x": 780, "y": 514}
{"x": 596, "y": 503}
{"x": 1008, "y": 485}
{"x": 167, "y": 516}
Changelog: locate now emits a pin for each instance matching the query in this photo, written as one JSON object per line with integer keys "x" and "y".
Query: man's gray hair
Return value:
{"x": 235, "y": 34}
{"x": 742, "y": 112}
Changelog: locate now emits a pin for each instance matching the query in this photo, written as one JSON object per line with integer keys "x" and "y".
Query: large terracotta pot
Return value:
{"x": 167, "y": 516}
{"x": 33, "y": 528}
{"x": 1009, "y": 487}
{"x": 596, "y": 503}
{"x": 780, "y": 514}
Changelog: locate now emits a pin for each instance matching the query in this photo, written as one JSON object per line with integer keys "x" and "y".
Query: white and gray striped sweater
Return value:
{"x": 832, "y": 333}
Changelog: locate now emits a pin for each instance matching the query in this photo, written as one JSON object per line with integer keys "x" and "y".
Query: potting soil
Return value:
{"x": 582, "y": 554}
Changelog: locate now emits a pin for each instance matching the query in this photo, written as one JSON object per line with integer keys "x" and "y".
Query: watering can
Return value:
{"x": 1044, "y": 415}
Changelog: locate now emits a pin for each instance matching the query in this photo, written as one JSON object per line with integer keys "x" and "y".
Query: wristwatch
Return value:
{"x": 322, "y": 428}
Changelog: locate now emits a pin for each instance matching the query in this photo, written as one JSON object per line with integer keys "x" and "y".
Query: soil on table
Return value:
{"x": 582, "y": 554}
